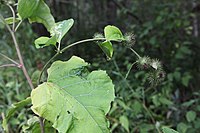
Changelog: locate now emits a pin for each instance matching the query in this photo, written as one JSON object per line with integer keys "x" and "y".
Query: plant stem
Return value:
{"x": 8, "y": 65}
{"x": 149, "y": 113}
{"x": 63, "y": 50}
{"x": 13, "y": 13}
{"x": 9, "y": 59}
{"x": 130, "y": 69}
{"x": 41, "y": 125}
{"x": 18, "y": 25}
{"x": 18, "y": 52}
{"x": 135, "y": 52}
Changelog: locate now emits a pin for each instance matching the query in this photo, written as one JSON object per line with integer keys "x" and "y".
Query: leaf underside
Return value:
{"x": 73, "y": 99}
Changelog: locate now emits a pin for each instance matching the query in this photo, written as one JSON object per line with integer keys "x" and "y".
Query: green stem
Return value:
{"x": 63, "y": 50}
{"x": 13, "y": 13}
{"x": 135, "y": 52}
{"x": 130, "y": 69}
{"x": 149, "y": 113}
{"x": 18, "y": 25}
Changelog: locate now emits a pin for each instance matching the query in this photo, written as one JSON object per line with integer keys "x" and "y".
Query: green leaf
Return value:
{"x": 107, "y": 48}
{"x": 57, "y": 33}
{"x": 26, "y": 8}
{"x": 182, "y": 127}
{"x": 190, "y": 116}
{"x": 168, "y": 130}
{"x": 165, "y": 101}
{"x": 73, "y": 99}
{"x": 14, "y": 108}
{"x": 113, "y": 33}
{"x": 45, "y": 41}
{"x": 42, "y": 15}
{"x": 10, "y": 20}
{"x": 124, "y": 122}
{"x": 61, "y": 28}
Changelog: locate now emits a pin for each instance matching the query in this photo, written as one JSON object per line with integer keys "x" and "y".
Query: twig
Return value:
{"x": 41, "y": 124}
{"x": 135, "y": 53}
{"x": 18, "y": 52}
{"x": 18, "y": 25}
{"x": 8, "y": 65}
{"x": 13, "y": 13}
{"x": 9, "y": 59}
{"x": 130, "y": 69}
{"x": 151, "y": 116}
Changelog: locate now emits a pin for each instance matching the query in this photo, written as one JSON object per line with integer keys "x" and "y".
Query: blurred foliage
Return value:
{"x": 167, "y": 30}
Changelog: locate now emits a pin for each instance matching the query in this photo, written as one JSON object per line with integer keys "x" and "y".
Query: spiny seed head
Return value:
{"x": 130, "y": 39}
{"x": 143, "y": 62}
{"x": 98, "y": 35}
{"x": 156, "y": 77}
{"x": 156, "y": 64}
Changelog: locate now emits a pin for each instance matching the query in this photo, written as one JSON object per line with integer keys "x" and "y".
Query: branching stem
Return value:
{"x": 12, "y": 32}
{"x": 16, "y": 63}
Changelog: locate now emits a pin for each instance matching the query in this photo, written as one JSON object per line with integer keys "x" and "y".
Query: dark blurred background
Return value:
{"x": 167, "y": 30}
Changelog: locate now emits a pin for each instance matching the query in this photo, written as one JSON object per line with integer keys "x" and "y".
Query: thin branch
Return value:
{"x": 41, "y": 125}
{"x": 18, "y": 52}
{"x": 130, "y": 69}
{"x": 13, "y": 13}
{"x": 135, "y": 52}
{"x": 8, "y": 65}
{"x": 10, "y": 59}
{"x": 63, "y": 50}
{"x": 149, "y": 113}
{"x": 18, "y": 25}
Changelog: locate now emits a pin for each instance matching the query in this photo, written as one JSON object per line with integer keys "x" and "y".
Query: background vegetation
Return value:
{"x": 167, "y": 30}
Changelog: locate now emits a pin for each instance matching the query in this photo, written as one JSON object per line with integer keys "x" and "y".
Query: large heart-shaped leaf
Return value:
{"x": 73, "y": 99}
{"x": 26, "y": 8}
{"x": 42, "y": 15}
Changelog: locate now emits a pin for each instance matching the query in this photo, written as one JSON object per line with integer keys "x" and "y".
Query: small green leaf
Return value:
{"x": 26, "y": 8}
{"x": 113, "y": 33}
{"x": 42, "y": 15}
{"x": 168, "y": 130}
{"x": 74, "y": 100}
{"x": 182, "y": 127}
{"x": 124, "y": 122}
{"x": 57, "y": 33}
{"x": 165, "y": 101}
{"x": 10, "y": 20}
{"x": 45, "y": 41}
{"x": 190, "y": 116}
{"x": 107, "y": 48}
{"x": 61, "y": 28}
{"x": 14, "y": 108}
